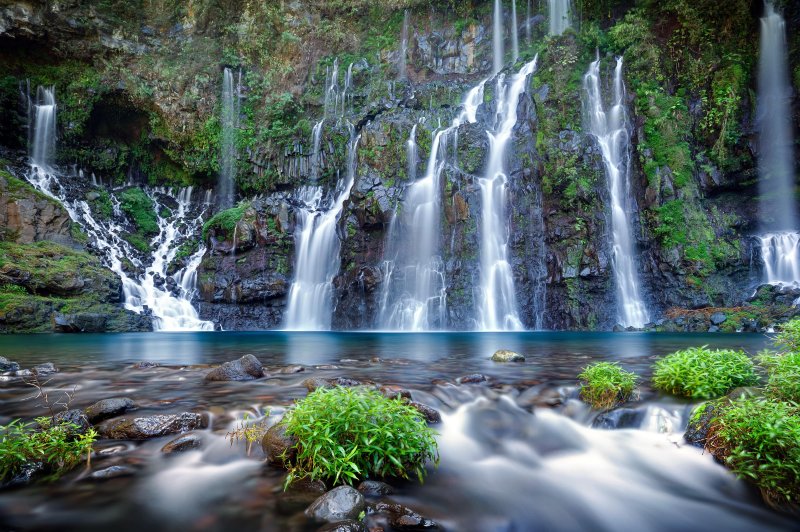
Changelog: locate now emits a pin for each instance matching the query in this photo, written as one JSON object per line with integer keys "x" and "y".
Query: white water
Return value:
{"x": 528, "y": 24}
{"x": 401, "y": 64}
{"x": 497, "y": 308}
{"x": 316, "y": 140}
{"x": 613, "y": 138}
{"x": 317, "y": 250}
{"x": 414, "y": 291}
{"x": 778, "y": 208}
{"x": 230, "y": 121}
{"x": 497, "y": 38}
{"x": 514, "y": 32}
{"x": 559, "y": 16}
{"x": 170, "y": 312}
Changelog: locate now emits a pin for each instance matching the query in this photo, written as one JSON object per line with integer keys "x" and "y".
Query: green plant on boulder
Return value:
{"x": 141, "y": 209}
{"x": 604, "y": 384}
{"x": 702, "y": 373}
{"x": 348, "y": 434}
{"x": 226, "y": 220}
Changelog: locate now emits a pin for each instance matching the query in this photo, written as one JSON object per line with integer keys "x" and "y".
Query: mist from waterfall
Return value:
{"x": 611, "y": 130}
{"x": 317, "y": 250}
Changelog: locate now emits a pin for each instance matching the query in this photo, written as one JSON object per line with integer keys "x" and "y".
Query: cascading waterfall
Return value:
{"x": 316, "y": 142}
{"x": 401, "y": 63}
{"x": 412, "y": 154}
{"x": 230, "y": 121}
{"x": 613, "y": 138}
{"x": 497, "y": 38}
{"x": 559, "y": 16}
{"x": 317, "y": 251}
{"x": 777, "y": 209}
{"x": 528, "y": 35}
{"x": 414, "y": 291}
{"x": 514, "y": 32}
{"x": 497, "y": 308}
{"x": 170, "y": 304}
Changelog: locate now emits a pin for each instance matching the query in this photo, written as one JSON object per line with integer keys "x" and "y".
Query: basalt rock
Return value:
{"x": 144, "y": 428}
{"x": 339, "y": 504}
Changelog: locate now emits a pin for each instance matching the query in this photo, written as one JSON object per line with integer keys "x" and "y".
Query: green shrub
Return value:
{"x": 605, "y": 384}
{"x": 226, "y": 220}
{"x": 759, "y": 441}
{"x": 59, "y": 447}
{"x": 701, "y": 373}
{"x": 347, "y": 434}
{"x": 789, "y": 337}
{"x": 783, "y": 371}
{"x": 138, "y": 205}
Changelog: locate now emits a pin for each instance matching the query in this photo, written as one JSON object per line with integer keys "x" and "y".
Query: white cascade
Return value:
{"x": 610, "y": 129}
{"x": 316, "y": 142}
{"x": 401, "y": 63}
{"x": 497, "y": 308}
{"x": 497, "y": 38}
{"x": 317, "y": 248}
{"x": 776, "y": 165}
{"x": 414, "y": 291}
{"x": 559, "y": 16}
{"x": 226, "y": 184}
{"x": 514, "y": 32}
{"x": 528, "y": 35}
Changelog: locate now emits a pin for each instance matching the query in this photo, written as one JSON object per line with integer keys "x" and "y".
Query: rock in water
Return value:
{"x": 276, "y": 442}
{"x": 403, "y": 518}
{"x": 344, "y": 526}
{"x": 246, "y": 368}
{"x": 504, "y": 355}
{"x": 339, "y": 504}
{"x": 375, "y": 488}
{"x": 108, "y": 408}
{"x": 182, "y": 443}
{"x": 431, "y": 415}
{"x": 6, "y": 365}
{"x": 143, "y": 428}
{"x": 75, "y": 417}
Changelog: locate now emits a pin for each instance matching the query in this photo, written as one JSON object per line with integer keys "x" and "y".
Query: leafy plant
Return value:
{"x": 248, "y": 431}
{"x": 226, "y": 220}
{"x": 138, "y": 205}
{"x": 605, "y": 384}
{"x": 347, "y": 434}
{"x": 701, "y": 373}
{"x": 759, "y": 441}
{"x": 783, "y": 372}
{"x": 789, "y": 337}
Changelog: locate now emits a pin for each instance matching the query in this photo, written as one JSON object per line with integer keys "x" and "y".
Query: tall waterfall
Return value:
{"x": 528, "y": 36}
{"x": 613, "y": 138}
{"x": 401, "y": 62}
{"x": 497, "y": 38}
{"x": 414, "y": 296}
{"x": 514, "y": 32}
{"x": 230, "y": 121}
{"x": 317, "y": 251}
{"x": 316, "y": 143}
{"x": 777, "y": 209}
{"x": 169, "y": 301}
{"x": 498, "y": 306}
{"x": 559, "y": 16}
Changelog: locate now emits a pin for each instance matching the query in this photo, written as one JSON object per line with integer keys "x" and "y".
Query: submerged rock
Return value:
{"x": 392, "y": 391}
{"x": 318, "y": 382}
{"x": 143, "y": 428}
{"x": 246, "y": 368}
{"x": 344, "y": 526}
{"x": 108, "y": 408}
{"x": 504, "y": 355}
{"x": 621, "y": 418}
{"x": 278, "y": 446}
{"x": 8, "y": 366}
{"x": 403, "y": 518}
{"x": 430, "y": 414}
{"x": 111, "y": 472}
{"x": 340, "y": 504}
{"x": 45, "y": 369}
{"x": 474, "y": 378}
{"x": 182, "y": 443}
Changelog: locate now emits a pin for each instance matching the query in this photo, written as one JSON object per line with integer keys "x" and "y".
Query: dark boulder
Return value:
{"x": 375, "y": 488}
{"x": 278, "y": 446}
{"x": 8, "y": 366}
{"x": 621, "y": 418}
{"x": 246, "y": 368}
{"x": 185, "y": 442}
{"x": 143, "y": 428}
{"x": 431, "y": 415}
{"x": 344, "y": 526}
{"x": 340, "y": 504}
{"x": 403, "y": 518}
{"x": 80, "y": 424}
{"x": 108, "y": 408}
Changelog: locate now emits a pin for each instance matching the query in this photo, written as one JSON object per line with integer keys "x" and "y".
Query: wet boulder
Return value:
{"x": 246, "y": 368}
{"x": 431, "y": 415}
{"x": 344, "y": 526}
{"x": 74, "y": 417}
{"x": 278, "y": 446}
{"x": 504, "y": 355}
{"x": 143, "y": 428}
{"x": 474, "y": 378}
{"x": 47, "y": 368}
{"x": 111, "y": 472}
{"x": 183, "y": 443}
{"x": 8, "y": 366}
{"x": 621, "y": 418}
{"x": 403, "y": 518}
{"x": 108, "y": 408}
{"x": 375, "y": 488}
{"x": 340, "y": 504}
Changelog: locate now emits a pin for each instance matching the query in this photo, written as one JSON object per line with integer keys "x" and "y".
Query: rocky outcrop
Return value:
{"x": 28, "y": 216}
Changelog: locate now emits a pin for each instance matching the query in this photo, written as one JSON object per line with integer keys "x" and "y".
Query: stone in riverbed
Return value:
{"x": 182, "y": 443}
{"x": 45, "y": 369}
{"x": 276, "y": 442}
{"x": 718, "y": 318}
{"x": 474, "y": 378}
{"x": 246, "y": 368}
{"x": 431, "y": 415}
{"x": 318, "y": 382}
{"x": 403, "y": 518}
{"x": 76, "y": 417}
{"x": 375, "y": 488}
{"x": 290, "y": 370}
{"x": 344, "y": 526}
{"x": 621, "y": 418}
{"x": 8, "y": 366}
{"x": 298, "y": 495}
{"x": 143, "y": 428}
{"x": 108, "y": 408}
{"x": 393, "y": 391}
{"x": 504, "y": 355}
{"x": 111, "y": 472}
{"x": 340, "y": 504}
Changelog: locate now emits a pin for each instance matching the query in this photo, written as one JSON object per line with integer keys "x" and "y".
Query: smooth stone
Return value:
{"x": 474, "y": 378}
{"x": 111, "y": 472}
{"x": 298, "y": 495}
{"x": 430, "y": 414}
{"x": 718, "y": 318}
{"x": 344, "y": 526}
{"x": 504, "y": 355}
{"x": 246, "y": 368}
{"x": 713, "y": 329}
{"x": 403, "y": 518}
{"x": 8, "y": 366}
{"x": 276, "y": 442}
{"x": 185, "y": 442}
{"x": 392, "y": 391}
{"x": 290, "y": 370}
{"x": 621, "y": 418}
{"x": 76, "y": 417}
{"x": 340, "y": 504}
{"x": 108, "y": 408}
{"x": 143, "y": 428}
{"x": 375, "y": 488}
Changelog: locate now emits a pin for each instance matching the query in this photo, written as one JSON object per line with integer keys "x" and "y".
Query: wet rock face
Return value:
{"x": 28, "y": 216}
{"x": 339, "y": 504}
{"x": 245, "y": 369}
{"x": 143, "y": 428}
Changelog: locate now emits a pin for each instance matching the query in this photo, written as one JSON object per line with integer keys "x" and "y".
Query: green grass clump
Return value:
{"x": 605, "y": 384}
{"x": 758, "y": 439}
{"x": 783, "y": 371}
{"x": 701, "y": 373}
{"x": 347, "y": 434}
{"x": 141, "y": 209}
{"x": 789, "y": 337}
{"x": 226, "y": 220}
{"x": 58, "y": 447}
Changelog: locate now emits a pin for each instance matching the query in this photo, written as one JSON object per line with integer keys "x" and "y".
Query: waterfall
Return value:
{"x": 316, "y": 142}
{"x": 497, "y": 38}
{"x": 317, "y": 244}
{"x": 777, "y": 208}
{"x": 169, "y": 304}
{"x": 528, "y": 24}
{"x": 613, "y": 138}
{"x": 332, "y": 88}
{"x": 401, "y": 63}
{"x": 559, "y": 16}
{"x": 230, "y": 122}
{"x": 498, "y": 305}
{"x": 514, "y": 32}
{"x": 414, "y": 291}
{"x": 411, "y": 154}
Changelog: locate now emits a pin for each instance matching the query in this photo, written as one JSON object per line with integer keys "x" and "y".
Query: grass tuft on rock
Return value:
{"x": 141, "y": 209}
{"x": 349, "y": 434}
{"x": 702, "y": 373}
{"x": 604, "y": 385}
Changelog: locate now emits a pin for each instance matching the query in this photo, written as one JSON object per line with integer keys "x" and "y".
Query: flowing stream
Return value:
{"x": 610, "y": 128}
